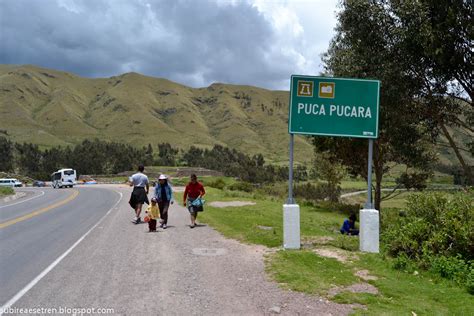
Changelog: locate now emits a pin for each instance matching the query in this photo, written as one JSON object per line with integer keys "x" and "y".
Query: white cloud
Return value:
{"x": 303, "y": 26}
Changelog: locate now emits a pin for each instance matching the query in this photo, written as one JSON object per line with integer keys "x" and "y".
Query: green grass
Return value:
{"x": 400, "y": 293}
{"x": 242, "y": 222}
{"x": 398, "y": 200}
{"x": 315, "y": 274}
{"x": 350, "y": 184}
{"x": 6, "y": 191}
{"x": 359, "y": 185}
{"x": 353, "y": 185}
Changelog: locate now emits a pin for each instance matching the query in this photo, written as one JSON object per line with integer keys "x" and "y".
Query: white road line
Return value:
{"x": 22, "y": 201}
{"x": 33, "y": 282}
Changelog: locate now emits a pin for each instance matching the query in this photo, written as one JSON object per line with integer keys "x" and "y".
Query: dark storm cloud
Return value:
{"x": 192, "y": 42}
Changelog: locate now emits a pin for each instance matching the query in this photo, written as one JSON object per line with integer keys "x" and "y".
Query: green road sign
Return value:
{"x": 334, "y": 107}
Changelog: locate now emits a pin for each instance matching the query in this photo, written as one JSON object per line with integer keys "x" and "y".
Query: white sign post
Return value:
{"x": 291, "y": 211}
{"x": 369, "y": 217}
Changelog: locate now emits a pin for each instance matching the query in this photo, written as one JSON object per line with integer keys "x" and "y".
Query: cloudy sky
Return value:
{"x": 193, "y": 42}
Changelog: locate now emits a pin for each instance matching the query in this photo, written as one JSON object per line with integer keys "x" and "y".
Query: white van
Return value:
{"x": 10, "y": 183}
{"x": 63, "y": 178}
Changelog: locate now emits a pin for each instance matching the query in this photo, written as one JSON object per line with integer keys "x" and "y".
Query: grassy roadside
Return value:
{"x": 397, "y": 201}
{"x": 399, "y": 292}
{"x": 4, "y": 191}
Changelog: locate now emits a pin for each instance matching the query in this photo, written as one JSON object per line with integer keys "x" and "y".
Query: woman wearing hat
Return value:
{"x": 164, "y": 197}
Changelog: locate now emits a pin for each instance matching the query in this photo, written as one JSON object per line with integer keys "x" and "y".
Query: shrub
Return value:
{"x": 470, "y": 281}
{"x": 435, "y": 224}
{"x": 435, "y": 232}
{"x": 217, "y": 184}
{"x": 6, "y": 191}
{"x": 278, "y": 189}
{"x": 453, "y": 268}
{"x": 407, "y": 239}
{"x": 312, "y": 192}
{"x": 241, "y": 186}
{"x": 403, "y": 263}
{"x": 343, "y": 208}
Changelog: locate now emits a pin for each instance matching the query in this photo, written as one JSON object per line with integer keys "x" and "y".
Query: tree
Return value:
{"x": 300, "y": 173}
{"x": 330, "y": 171}
{"x": 90, "y": 157}
{"x": 365, "y": 46}
{"x": 29, "y": 159}
{"x": 437, "y": 43}
{"x": 6, "y": 157}
{"x": 166, "y": 155}
{"x": 258, "y": 160}
{"x": 52, "y": 160}
{"x": 148, "y": 160}
{"x": 193, "y": 157}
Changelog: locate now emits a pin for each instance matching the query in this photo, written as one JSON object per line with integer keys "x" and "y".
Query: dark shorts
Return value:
{"x": 138, "y": 196}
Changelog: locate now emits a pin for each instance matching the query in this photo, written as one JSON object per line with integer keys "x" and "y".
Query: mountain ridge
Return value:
{"x": 50, "y": 107}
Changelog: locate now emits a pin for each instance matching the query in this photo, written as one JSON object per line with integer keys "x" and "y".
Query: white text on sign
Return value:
{"x": 334, "y": 110}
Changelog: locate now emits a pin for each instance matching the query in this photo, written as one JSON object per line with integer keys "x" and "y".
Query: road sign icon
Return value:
{"x": 305, "y": 88}
{"x": 327, "y": 90}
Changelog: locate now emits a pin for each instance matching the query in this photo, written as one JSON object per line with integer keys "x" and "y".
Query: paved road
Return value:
{"x": 39, "y": 227}
{"x": 118, "y": 265}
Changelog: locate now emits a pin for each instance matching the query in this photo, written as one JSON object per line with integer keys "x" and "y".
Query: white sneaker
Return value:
{"x": 164, "y": 226}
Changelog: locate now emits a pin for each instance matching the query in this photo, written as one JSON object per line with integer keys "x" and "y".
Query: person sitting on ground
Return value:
{"x": 193, "y": 191}
{"x": 348, "y": 228}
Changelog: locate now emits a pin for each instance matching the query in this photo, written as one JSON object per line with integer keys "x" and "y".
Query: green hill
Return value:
{"x": 50, "y": 107}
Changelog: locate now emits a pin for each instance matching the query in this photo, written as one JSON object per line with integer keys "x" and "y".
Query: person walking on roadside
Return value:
{"x": 193, "y": 191}
{"x": 153, "y": 215}
{"x": 139, "y": 196}
{"x": 164, "y": 197}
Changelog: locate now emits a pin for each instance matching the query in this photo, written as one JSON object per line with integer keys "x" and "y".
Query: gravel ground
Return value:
{"x": 177, "y": 271}
{"x": 354, "y": 288}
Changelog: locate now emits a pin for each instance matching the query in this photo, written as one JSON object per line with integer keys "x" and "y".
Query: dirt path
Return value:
{"x": 179, "y": 271}
{"x": 345, "y": 195}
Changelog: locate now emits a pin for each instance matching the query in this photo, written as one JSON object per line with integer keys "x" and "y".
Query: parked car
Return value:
{"x": 10, "y": 183}
{"x": 38, "y": 183}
